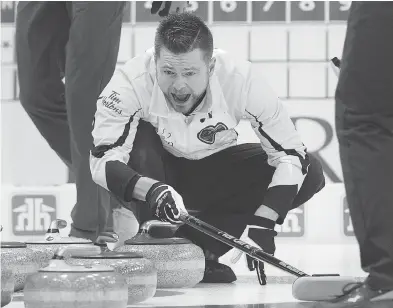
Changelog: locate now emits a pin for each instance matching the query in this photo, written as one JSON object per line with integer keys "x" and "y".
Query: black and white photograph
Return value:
{"x": 196, "y": 154}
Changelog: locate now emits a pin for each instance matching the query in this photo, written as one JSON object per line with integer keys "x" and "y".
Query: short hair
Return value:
{"x": 182, "y": 33}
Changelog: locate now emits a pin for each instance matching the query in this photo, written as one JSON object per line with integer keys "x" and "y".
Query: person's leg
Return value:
{"x": 91, "y": 57}
{"x": 147, "y": 158}
{"x": 41, "y": 37}
{"x": 364, "y": 115}
{"x": 228, "y": 187}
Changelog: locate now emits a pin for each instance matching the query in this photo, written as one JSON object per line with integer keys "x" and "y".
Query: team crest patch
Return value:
{"x": 208, "y": 134}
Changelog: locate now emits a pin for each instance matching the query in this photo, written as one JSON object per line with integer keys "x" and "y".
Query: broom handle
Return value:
{"x": 230, "y": 240}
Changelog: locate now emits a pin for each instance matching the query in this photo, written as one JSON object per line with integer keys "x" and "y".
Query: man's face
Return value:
{"x": 183, "y": 78}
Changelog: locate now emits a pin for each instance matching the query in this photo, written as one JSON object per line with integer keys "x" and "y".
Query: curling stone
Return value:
{"x": 53, "y": 241}
{"x": 179, "y": 262}
{"x": 7, "y": 281}
{"x": 18, "y": 259}
{"x": 7, "y": 285}
{"x": 139, "y": 272}
{"x": 22, "y": 260}
{"x": 60, "y": 285}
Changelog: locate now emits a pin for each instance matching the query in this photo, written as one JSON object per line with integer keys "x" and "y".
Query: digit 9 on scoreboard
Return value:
{"x": 339, "y": 10}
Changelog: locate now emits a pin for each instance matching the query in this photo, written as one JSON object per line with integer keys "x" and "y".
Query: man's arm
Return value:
{"x": 114, "y": 128}
{"x": 279, "y": 139}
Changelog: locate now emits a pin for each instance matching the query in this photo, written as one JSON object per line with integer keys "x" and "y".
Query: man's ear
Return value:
{"x": 212, "y": 65}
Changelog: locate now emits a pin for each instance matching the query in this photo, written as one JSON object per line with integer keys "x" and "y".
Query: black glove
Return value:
{"x": 165, "y": 203}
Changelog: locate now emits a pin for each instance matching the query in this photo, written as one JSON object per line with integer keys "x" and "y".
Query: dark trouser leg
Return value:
{"x": 41, "y": 36}
{"x": 92, "y": 51}
{"x": 228, "y": 187}
{"x": 146, "y": 158}
{"x": 364, "y": 119}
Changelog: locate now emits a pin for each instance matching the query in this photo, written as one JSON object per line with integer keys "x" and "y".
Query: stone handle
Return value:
{"x": 58, "y": 224}
{"x": 146, "y": 226}
{"x": 80, "y": 250}
{"x": 106, "y": 237}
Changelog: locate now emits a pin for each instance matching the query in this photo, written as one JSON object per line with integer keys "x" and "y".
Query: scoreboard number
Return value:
{"x": 148, "y": 4}
{"x": 307, "y": 10}
{"x": 307, "y": 6}
{"x": 199, "y": 8}
{"x": 192, "y": 6}
{"x": 339, "y": 10}
{"x": 228, "y": 6}
{"x": 269, "y": 11}
{"x": 344, "y": 5}
{"x": 267, "y": 6}
{"x": 143, "y": 8}
{"x": 230, "y": 11}
{"x": 8, "y": 11}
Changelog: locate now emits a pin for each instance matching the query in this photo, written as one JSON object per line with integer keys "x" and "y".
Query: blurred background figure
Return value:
{"x": 364, "y": 122}
{"x": 78, "y": 41}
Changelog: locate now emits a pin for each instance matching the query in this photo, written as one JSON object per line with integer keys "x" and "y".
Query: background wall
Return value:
{"x": 289, "y": 42}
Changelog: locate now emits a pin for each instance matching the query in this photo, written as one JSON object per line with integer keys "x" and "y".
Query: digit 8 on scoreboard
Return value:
{"x": 307, "y": 11}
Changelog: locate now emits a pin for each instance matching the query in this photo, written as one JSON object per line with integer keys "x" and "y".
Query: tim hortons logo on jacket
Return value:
{"x": 111, "y": 102}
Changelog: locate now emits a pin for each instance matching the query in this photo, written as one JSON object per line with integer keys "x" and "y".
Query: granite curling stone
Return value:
{"x": 7, "y": 285}
{"x": 52, "y": 241}
{"x": 139, "y": 272}
{"x": 60, "y": 285}
{"x": 179, "y": 262}
{"x": 21, "y": 260}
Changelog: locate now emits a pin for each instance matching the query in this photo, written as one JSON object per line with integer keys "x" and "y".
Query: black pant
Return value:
{"x": 224, "y": 189}
{"x": 78, "y": 40}
{"x": 364, "y": 119}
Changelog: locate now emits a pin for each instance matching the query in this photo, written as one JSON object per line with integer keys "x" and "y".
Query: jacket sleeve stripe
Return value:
{"x": 99, "y": 151}
{"x": 305, "y": 162}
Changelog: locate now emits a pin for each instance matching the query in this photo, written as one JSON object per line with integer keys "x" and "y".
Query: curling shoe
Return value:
{"x": 360, "y": 295}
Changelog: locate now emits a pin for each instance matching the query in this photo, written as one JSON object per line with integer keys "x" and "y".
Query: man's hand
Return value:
{"x": 168, "y": 7}
{"x": 165, "y": 203}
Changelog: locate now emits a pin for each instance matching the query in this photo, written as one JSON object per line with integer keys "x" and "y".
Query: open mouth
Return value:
{"x": 180, "y": 98}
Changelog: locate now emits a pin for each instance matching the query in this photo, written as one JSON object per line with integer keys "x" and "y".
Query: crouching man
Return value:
{"x": 165, "y": 140}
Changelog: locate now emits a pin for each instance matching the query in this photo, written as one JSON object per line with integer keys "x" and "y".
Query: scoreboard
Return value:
{"x": 137, "y": 12}
{"x": 248, "y": 12}
{"x": 290, "y": 41}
